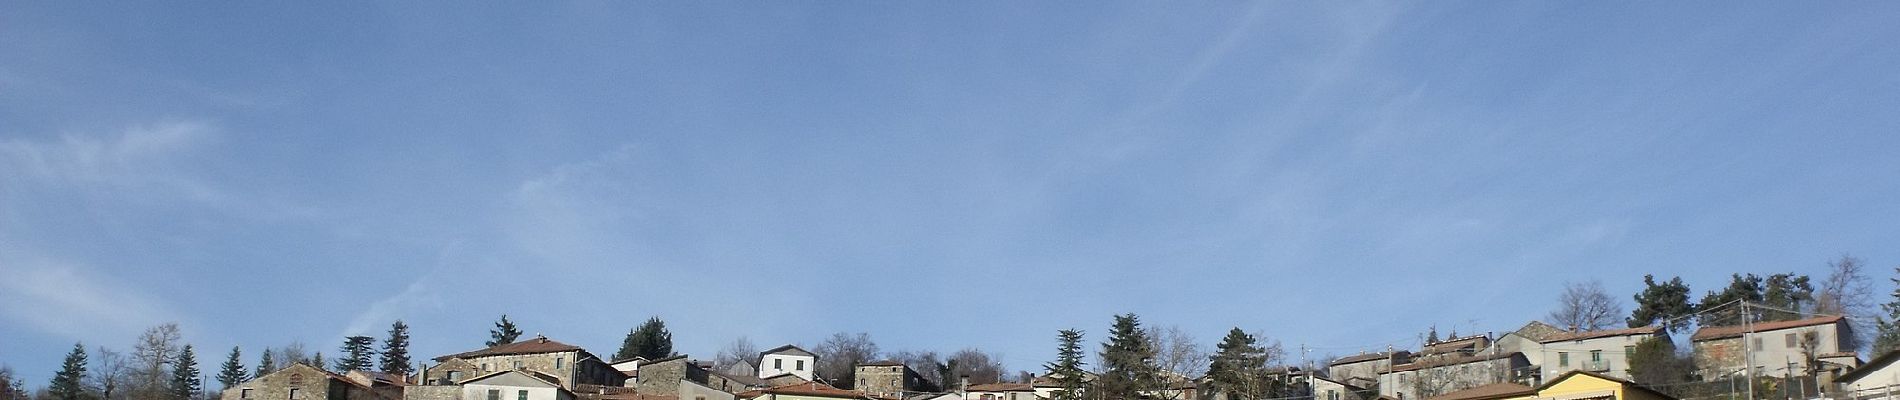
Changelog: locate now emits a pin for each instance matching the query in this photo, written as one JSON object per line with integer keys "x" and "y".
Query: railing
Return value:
{"x": 1596, "y": 366}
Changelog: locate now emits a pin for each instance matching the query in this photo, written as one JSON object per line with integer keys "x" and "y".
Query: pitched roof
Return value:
{"x": 1866, "y": 369}
{"x": 789, "y": 349}
{"x": 1401, "y": 354}
{"x": 1488, "y": 391}
{"x": 1003, "y": 387}
{"x": 1440, "y": 362}
{"x": 1724, "y": 332}
{"x": 813, "y": 389}
{"x": 1572, "y": 336}
{"x": 1491, "y": 391}
{"x": 881, "y": 363}
{"x": 530, "y": 346}
{"x": 1627, "y": 384}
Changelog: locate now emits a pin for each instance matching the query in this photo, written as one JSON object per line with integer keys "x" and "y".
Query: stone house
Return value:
{"x": 890, "y": 379}
{"x": 787, "y": 359}
{"x": 301, "y": 381}
{"x": 1365, "y": 366}
{"x": 1329, "y": 389}
{"x": 1423, "y": 378}
{"x": 1778, "y": 349}
{"x": 662, "y": 377}
{"x": 569, "y": 365}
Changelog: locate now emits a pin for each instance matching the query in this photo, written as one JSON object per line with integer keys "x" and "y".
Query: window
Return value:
{"x": 484, "y": 367}
{"x": 1332, "y": 395}
{"x": 1629, "y": 351}
{"x": 293, "y": 394}
{"x": 801, "y": 365}
{"x": 494, "y": 394}
{"x": 521, "y": 395}
{"x": 778, "y": 363}
{"x": 517, "y": 364}
{"x": 1563, "y": 359}
{"x": 244, "y": 394}
{"x": 557, "y": 362}
{"x": 1757, "y": 342}
{"x": 1596, "y": 356}
{"x": 1790, "y": 339}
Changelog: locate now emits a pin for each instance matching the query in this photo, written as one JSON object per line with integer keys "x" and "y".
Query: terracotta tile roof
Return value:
{"x": 1724, "y": 332}
{"x": 1003, "y": 387}
{"x": 814, "y": 389}
{"x": 1491, "y": 391}
{"x": 1570, "y": 336}
{"x": 530, "y": 346}
{"x": 881, "y": 363}
{"x": 1400, "y": 355}
{"x": 1440, "y": 362}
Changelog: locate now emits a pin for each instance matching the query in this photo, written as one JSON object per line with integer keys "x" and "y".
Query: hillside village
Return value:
{"x": 1808, "y": 351}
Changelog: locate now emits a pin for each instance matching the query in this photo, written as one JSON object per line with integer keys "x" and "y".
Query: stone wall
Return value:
{"x": 662, "y": 378}
{"x": 432, "y": 392}
{"x": 310, "y": 384}
{"x": 570, "y": 372}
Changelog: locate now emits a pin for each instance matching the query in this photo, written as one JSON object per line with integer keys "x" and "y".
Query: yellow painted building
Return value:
{"x": 1575, "y": 385}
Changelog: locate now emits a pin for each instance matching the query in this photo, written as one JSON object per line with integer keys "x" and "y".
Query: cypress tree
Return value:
{"x": 185, "y": 383}
{"x": 395, "y": 359}
{"x": 265, "y": 365}
{"x": 505, "y": 332}
{"x": 356, "y": 354}
{"x": 67, "y": 383}
{"x": 232, "y": 372}
{"x": 1067, "y": 368}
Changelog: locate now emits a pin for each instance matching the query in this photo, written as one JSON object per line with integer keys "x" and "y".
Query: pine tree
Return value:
{"x": 265, "y": 365}
{"x": 1788, "y": 296}
{"x": 650, "y": 341}
{"x": 1887, "y": 327}
{"x": 232, "y": 372}
{"x": 505, "y": 332}
{"x": 1238, "y": 365}
{"x": 1067, "y": 368}
{"x": 1659, "y": 304}
{"x": 1740, "y": 288}
{"x": 395, "y": 359}
{"x": 68, "y": 383}
{"x": 185, "y": 384}
{"x": 317, "y": 361}
{"x": 357, "y": 351}
{"x": 1431, "y": 334}
{"x": 1128, "y": 362}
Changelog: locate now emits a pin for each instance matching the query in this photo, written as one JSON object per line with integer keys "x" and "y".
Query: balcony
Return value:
{"x": 1596, "y": 366}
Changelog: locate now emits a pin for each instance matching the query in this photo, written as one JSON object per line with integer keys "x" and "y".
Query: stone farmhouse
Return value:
{"x": 1777, "y": 349}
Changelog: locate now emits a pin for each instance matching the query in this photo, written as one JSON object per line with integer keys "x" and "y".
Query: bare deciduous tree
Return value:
{"x": 1585, "y": 307}
{"x": 981, "y": 367}
{"x": 1847, "y": 292}
{"x": 740, "y": 350}
{"x": 152, "y": 358}
{"x": 106, "y": 377}
{"x": 839, "y": 356}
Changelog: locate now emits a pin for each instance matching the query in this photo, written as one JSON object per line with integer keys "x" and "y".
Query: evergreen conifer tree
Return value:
{"x": 317, "y": 360}
{"x": 1238, "y": 366}
{"x": 1715, "y": 309}
{"x": 1887, "y": 327}
{"x": 1128, "y": 361}
{"x": 1658, "y": 303}
{"x": 650, "y": 340}
{"x": 232, "y": 372}
{"x": 185, "y": 384}
{"x": 395, "y": 358}
{"x": 1067, "y": 368}
{"x": 505, "y": 332}
{"x": 264, "y": 364}
{"x": 68, "y": 383}
{"x": 357, "y": 351}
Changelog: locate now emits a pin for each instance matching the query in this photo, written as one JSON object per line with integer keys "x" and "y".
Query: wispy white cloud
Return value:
{"x": 73, "y": 300}
{"x": 133, "y": 157}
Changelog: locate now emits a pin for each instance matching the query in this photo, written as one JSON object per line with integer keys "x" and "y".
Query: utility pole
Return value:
{"x": 1748, "y": 355}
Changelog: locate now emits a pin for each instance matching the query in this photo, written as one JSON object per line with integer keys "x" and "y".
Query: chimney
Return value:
{"x": 963, "y": 384}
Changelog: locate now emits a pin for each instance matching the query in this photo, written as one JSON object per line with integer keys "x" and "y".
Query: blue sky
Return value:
{"x": 940, "y": 175}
